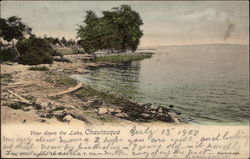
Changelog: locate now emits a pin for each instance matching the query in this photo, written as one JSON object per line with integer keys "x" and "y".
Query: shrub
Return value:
{"x": 35, "y": 51}
{"x": 5, "y": 55}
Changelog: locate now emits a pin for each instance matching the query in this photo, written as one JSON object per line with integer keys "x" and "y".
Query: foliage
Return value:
{"x": 108, "y": 98}
{"x": 122, "y": 58}
{"x": 71, "y": 42}
{"x": 13, "y": 28}
{"x": 64, "y": 41}
{"x": 59, "y": 108}
{"x": 117, "y": 31}
{"x": 77, "y": 51}
{"x": 35, "y": 51}
{"x": 39, "y": 68}
{"x": 53, "y": 41}
{"x": 67, "y": 81}
{"x": 5, "y": 54}
{"x": 6, "y": 78}
{"x": 17, "y": 105}
{"x": 89, "y": 34}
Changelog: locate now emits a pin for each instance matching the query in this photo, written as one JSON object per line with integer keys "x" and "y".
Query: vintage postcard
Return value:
{"x": 124, "y": 79}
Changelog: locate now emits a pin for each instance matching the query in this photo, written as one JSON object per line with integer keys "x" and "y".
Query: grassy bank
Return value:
{"x": 62, "y": 80}
{"x": 59, "y": 79}
{"x": 87, "y": 91}
{"x": 122, "y": 58}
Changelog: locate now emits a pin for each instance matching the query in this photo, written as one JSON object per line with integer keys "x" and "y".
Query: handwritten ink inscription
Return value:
{"x": 133, "y": 142}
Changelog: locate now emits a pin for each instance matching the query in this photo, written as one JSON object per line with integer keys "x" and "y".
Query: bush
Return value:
{"x": 35, "y": 51}
{"x": 5, "y": 55}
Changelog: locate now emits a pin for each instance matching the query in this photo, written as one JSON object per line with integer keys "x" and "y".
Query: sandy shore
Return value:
{"x": 67, "y": 109}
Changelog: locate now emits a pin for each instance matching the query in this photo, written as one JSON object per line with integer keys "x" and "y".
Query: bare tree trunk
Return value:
{"x": 14, "y": 46}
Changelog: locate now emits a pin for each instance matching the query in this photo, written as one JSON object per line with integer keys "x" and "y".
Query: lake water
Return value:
{"x": 208, "y": 84}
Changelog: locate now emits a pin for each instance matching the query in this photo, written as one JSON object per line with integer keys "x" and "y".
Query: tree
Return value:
{"x": 64, "y": 41}
{"x": 12, "y": 29}
{"x": 89, "y": 33}
{"x": 111, "y": 38}
{"x": 118, "y": 30}
{"x": 128, "y": 24}
{"x": 57, "y": 41}
{"x": 53, "y": 41}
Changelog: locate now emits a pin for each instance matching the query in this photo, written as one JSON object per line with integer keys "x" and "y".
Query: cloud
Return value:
{"x": 43, "y": 10}
{"x": 208, "y": 14}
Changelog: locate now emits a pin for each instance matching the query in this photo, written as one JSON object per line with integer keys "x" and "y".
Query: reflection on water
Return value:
{"x": 208, "y": 83}
{"x": 120, "y": 80}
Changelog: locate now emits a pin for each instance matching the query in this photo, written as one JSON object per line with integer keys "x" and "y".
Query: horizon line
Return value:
{"x": 196, "y": 44}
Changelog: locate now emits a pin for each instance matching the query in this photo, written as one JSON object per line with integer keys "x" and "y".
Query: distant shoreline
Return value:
{"x": 208, "y": 44}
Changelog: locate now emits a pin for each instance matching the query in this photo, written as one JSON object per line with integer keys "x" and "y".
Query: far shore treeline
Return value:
{"x": 116, "y": 31}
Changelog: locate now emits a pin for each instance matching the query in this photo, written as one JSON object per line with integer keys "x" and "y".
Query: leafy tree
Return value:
{"x": 50, "y": 40}
{"x": 127, "y": 24}
{"x": 111, "y": 38}
{"x": 118, "y": 30}
{"x": 89, "y": 33}
{"x": 53, "y": 41}
{"x": 57, "y": 41}
{"x": 79, "y": 42}
{"x": 12, "y": 29}
{"x": 64, "y": 41}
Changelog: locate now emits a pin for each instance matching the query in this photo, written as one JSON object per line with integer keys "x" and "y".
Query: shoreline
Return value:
{"x": 85, "y": 106}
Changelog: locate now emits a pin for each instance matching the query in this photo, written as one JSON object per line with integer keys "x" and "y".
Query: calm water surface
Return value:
{"x": 208, "y": 84}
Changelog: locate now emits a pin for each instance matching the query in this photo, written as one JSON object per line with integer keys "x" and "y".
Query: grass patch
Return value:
{"x": 16, "y": 105}
{"x": 66, "y": 81}
{"x": 122, "y": 58}
{"x": 39, "y": 68}
{"x": 59, "y": 108}
{"x": 107, "y": 119}
{"x": 103, "y": 118}
{"x": 56, "y": 98}
{"x": 60, "y": 79}
{"x": 31, "y": 98}
{"x": 64, "y": 50}
{"x": 68, "y": 71}
{"x": 108, "y": 98}
{"x": 6, "y": 78}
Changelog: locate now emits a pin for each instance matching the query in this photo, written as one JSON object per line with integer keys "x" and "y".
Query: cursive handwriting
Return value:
{"x": 133, "y": 142}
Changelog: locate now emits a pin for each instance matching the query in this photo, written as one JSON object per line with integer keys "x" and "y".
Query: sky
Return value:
{"x": 165, "y": 22}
